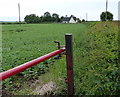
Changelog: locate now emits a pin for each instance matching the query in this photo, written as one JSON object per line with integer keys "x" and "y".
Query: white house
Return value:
{"x": 71, "y": 19}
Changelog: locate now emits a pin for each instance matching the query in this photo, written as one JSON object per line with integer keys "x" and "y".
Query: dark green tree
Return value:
{"x": 32, "y": 18}
{"x": 83, "y": 20}
{"x": 55, "y": 17}
{"x": 79, "y": 21}
{"x": 42, "y": 19}
{"x": 106, "y": 16}
{"x": 46, "y": 14}
{"x": 61, "y": 18}
{"x": 47, "y": 17}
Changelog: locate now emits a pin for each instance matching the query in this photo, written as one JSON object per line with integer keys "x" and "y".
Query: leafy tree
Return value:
{"x": 104, "y": 18}
{"x": 47, "y": 17}
{"x": 55, "y": 17}
{"x": 83, "y": 20}
{"x": 47, "y": 14}
{"x": 61, "y": 19}
{"x": 32, "y": 18}
{"x": 42, "y": 19}
{"x": 79, "y": 21}
{"x": 37, "y": 19}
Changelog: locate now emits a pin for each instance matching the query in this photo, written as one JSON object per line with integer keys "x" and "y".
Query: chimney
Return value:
{"x": 71, "y": 15}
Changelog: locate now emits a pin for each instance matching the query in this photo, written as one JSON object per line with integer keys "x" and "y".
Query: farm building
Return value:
{"x": 71, "y": 19}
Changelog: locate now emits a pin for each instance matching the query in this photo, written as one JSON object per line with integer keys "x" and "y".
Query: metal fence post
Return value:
{"x": 69, "y": 63}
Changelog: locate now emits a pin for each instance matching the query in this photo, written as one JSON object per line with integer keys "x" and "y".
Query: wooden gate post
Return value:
{"x": 69, "y": 63}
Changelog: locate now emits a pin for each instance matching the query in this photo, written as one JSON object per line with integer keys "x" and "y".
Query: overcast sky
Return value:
{"x": 78, "y": 8}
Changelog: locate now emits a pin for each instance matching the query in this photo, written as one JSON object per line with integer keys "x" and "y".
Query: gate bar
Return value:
{"x": 69, "y": 63}
{"x": 29, "y": 64}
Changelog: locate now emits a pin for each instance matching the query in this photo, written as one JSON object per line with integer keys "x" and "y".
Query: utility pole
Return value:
{"x": 106, "y": 8}
{"x": 86, "y": 17}
{"x": 19, "y": 11}
{"x": 119, "y": 13}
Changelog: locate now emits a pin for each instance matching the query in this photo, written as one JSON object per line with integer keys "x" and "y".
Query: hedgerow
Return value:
{"x": 97, "y": 68}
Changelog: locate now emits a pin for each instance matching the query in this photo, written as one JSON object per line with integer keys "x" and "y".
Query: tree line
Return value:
{"x": 47, "y": 17}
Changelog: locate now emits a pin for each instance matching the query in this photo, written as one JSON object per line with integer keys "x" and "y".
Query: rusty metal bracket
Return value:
{"x": 58, "y": 44}
{"x": 59, "y": 47}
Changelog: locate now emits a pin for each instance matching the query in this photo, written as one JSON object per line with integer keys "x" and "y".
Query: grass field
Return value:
{"x": 22, "y": 43}
{"x": 26, "y": 42}
{"x": 95, "y": 49}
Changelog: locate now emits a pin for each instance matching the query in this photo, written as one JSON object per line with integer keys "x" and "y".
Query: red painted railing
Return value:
{"x": 29, "y": 64}
{"x": 69, "y": 64}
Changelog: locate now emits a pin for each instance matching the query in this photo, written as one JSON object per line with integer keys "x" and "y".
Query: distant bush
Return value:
{"x": 12, "y": 23}
{"x": 79, "y": 21}
{"x": 83, "y": 20}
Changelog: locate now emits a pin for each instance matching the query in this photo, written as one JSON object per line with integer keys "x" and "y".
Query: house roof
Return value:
{"x": 68, "y": 18}
{"x": 74, "y": 18}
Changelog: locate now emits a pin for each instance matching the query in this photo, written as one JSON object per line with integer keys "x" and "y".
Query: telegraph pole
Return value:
{"x": 86, "y": 16}
{"x": 19, "y": 11}
{"x": 106, "y": 8}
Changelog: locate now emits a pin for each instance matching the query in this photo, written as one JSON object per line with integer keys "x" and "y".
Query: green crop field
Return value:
{"x": 95, "y": 50}
{"x": 26, "y": 42}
